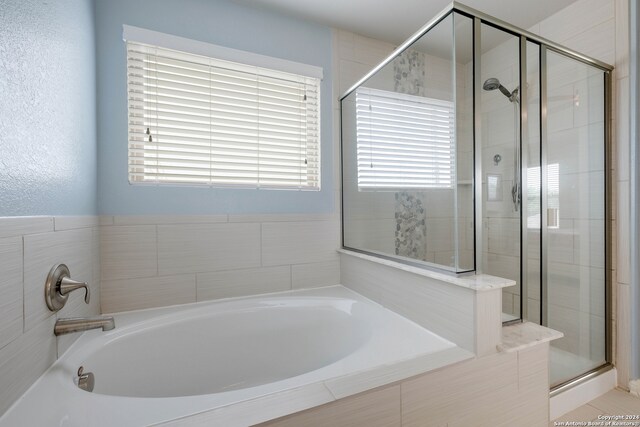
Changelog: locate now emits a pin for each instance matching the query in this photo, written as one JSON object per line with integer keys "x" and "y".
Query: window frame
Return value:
{"x": 268, "y": 66}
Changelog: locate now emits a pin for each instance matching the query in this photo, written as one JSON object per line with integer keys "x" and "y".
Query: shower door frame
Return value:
{"x": 478, "y": 18}
{"x": 545, "y": 46}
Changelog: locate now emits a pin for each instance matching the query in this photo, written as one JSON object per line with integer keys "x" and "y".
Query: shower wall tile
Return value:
{"x": 369, "y": 51}
{"x": 21, "y": 225}
{"x": 128, "y": 252}
{"x": 236, "y": 283}
{"x": 503, "y": 266}
{"x": 379, "y": 408}
{"x": 465, "y": 394}
{"x": 533, "y": 310}
{"x": 315, "y": 274}
{"x": 24, "y": 360}
{"x": 299, "y": 242}
{"x": 622, "y": 128}
{"x": 598, "y": 41}
{"x": 254, "y": 411}
{"x": 581, "y": 195}
{"x": 623, "y": 336}
{"x": 105, "y": 220}
{"x": 498, "y": 390}
{"x": 577, "y": 287}
{"x": 447, "y": 310}
{"x": 214, "y": 257}
{"x": 167, "y": 219}
{"x": 622, "y": 38}
{"x": 507, "y": 303}
{"x": 561, "y": 242}
{"x": 259, "y": 218}
{"x": 578, "y": 149}
{"x": 503, "y": 235}
{"x": 444, "y": 258}
{"x": 576, "y": 19}
{"x": 41, "y": 252}
{"x": 488, "y": 321}
{"x": 10, "y": 289}
{"x": 440, "y": 234}
{"x": 373, "y": 234}
{"x": 350, "y": 73}
{"x": 560, "y": 110}
{"x": 27, "y": 343}
{"x": 623, "y": 232}
{"x": 589, "y": 243}
{"x": 135, "y": 294}
{"x": 195, "y": 248}
{"x": 73, "y": 222}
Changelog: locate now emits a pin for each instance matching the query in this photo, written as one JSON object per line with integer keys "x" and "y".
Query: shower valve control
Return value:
{"x": 59, "y": 285}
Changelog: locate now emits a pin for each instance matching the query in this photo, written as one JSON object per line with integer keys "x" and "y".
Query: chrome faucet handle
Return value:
{"x": 68, "y": 285}
{"x": 59, "y": 285}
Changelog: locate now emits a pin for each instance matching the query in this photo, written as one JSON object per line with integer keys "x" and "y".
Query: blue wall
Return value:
{"x": 47, "y": 108}
{"x": 222, "y": 23}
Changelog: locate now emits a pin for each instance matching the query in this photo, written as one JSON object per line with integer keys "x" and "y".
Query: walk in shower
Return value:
{"x": 479, "y": 147}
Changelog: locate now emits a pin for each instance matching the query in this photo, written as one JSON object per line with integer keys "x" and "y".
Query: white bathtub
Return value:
{"x": 164, "y": 364}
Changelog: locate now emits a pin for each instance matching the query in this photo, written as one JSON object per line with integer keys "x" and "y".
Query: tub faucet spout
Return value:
{"x": 79, "y": 324}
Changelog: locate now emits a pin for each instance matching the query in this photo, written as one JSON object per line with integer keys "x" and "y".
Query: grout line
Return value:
{"x": 261, "y": 246}
{"x": 400, "y": 392}
{"x": 157, "y": 251}
{"x": 196, "y": 280}
{"x": 23, "y": 290}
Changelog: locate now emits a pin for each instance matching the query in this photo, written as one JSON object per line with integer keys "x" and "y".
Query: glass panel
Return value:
{"x": 407, "y": 153}
{"x": 500, "y": 114}
{"x": 531, "y": 186}
{"x": 575, "y": 216}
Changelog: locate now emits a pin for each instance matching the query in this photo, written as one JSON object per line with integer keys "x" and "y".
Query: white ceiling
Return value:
{"x": 395, "y": 20}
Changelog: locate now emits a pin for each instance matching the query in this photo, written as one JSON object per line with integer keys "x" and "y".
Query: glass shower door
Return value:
{"x": 573, "y": 215}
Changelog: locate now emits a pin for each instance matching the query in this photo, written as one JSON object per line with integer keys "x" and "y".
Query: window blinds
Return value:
{"x": 203, "y": 121}
{"x": 404, "y": 141}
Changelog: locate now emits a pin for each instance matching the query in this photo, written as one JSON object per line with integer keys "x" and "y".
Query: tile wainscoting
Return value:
{"x": 503, "y": 389}
{"x": 153, "y": 261}
{"x": 29, "y": 247}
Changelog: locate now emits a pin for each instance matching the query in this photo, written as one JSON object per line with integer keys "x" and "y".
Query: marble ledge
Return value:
{"x": 527, "y": 334}
{"x": 476, "y": 282}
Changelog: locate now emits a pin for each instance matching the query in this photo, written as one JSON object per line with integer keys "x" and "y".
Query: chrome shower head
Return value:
{"x": 492, "y": 84}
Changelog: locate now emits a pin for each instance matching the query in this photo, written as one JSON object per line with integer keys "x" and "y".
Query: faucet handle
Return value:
{"x": 58, "y": 286}
{"x": 67, "y": 285}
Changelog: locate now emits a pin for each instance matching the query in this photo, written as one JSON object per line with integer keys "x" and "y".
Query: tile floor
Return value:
{"x": 615, "y": 402}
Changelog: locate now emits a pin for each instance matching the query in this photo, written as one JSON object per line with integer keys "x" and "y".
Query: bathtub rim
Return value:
{"x": 284, "y": 402}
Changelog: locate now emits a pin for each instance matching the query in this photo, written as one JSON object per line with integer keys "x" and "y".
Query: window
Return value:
{"x": 198, "y": 120}
{"x": 404, "y": 141}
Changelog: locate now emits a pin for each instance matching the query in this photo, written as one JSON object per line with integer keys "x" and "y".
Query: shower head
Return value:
{"x": 492, "y": 84}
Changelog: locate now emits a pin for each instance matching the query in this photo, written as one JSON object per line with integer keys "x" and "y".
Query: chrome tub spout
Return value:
{"x": 79, "y": 324}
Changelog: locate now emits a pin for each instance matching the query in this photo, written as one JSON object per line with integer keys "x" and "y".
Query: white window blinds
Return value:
{"x": 203, "y": 121}
{"x": 404, "y": 141}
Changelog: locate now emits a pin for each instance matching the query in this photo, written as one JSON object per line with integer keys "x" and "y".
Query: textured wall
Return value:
{"x": 222, "y": 23}
{"x": 47, "y": 113}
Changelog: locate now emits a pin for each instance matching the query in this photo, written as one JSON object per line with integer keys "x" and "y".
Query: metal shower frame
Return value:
{"x": 478, "y": 18}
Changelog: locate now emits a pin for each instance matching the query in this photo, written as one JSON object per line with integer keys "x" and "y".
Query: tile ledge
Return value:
{"x": 527, "y": 334}
{"x": 475, "y": 282}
